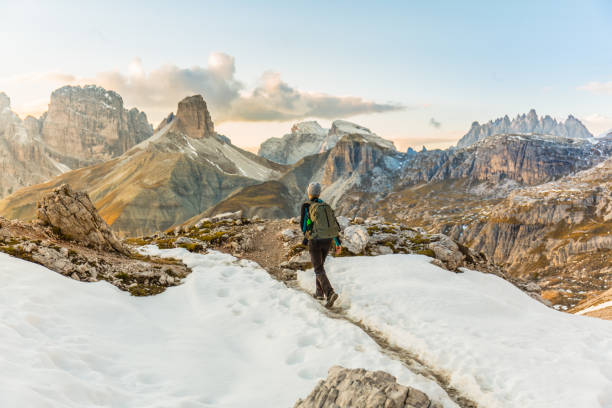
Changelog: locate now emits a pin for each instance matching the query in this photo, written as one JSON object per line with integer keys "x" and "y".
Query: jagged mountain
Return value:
{"x": 83, "y": 126}
{"x": 307, "y": 138}
{"x": 183, "y": 169}
{"x": 528, "y": 123}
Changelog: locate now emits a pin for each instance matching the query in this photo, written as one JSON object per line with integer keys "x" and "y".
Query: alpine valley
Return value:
{"x": 532, "y": 194}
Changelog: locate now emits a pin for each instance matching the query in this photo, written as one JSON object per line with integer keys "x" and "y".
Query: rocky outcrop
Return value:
{"x": 360, "y": 388}
{"x": 526, "y": 124}
{"x": 193, "y": 118}
{"x": 73, "y": 215}
{"x": 89, "y": 125}
{"x": 139, "y": 275}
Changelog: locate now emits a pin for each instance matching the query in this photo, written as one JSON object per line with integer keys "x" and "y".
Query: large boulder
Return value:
{"x": 359, "y": 388}
{"x": 72, "y": 214}
{"x": 446, "y": 250}
{"x": 355, "y": 238}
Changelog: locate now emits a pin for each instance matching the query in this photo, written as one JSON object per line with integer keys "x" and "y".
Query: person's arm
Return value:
{"x": 304, "y": 217}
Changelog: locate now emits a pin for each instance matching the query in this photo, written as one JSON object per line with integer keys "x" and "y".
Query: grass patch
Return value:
{"x": 427, "y": 251}
{"x": 192, "y": 247}
{"x": 419, "y": 240}
{"x": 17, "y": 253}
{"x": 146, "y": 290}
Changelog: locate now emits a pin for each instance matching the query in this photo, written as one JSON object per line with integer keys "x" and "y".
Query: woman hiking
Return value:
{"x": 320, "y": 228}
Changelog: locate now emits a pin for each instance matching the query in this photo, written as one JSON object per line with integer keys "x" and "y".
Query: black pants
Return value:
{"x": 319, "y": 248}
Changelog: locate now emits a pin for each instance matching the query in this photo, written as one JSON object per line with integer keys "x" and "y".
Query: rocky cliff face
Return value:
{"x": 557, "y": 234}
{"x": 307, "y": 138}
{"x": 526, "y": 124}
{"x": 90, "y": 125}
{"x": 23, "y": 159}
{"x": 193, "y": 118}
{"x": 83, "y": 126}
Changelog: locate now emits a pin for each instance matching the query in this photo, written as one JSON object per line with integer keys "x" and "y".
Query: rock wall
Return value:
{"x": 91, "y": 124}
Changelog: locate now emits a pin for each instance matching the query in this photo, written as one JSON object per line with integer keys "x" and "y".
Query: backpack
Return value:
{"x": 324, "y": 223}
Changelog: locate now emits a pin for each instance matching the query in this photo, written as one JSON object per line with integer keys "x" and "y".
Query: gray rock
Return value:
{"x": 343, "y": 221}
{"x": 184, "y": 240}
{"x": 359, "y": 388}
{"x": 75, "y": 217}
{"x": 227, "y": 216}
{"x": 355, "y": 238}
{"x": 446, "y": 250}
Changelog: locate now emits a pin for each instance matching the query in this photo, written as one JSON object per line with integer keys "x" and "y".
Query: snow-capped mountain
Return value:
{"x": 307, "y": 138}
{"x": 528, "y": 123}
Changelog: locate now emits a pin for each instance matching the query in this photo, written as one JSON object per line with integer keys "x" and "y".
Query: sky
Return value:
{"x": 416, "y": 72}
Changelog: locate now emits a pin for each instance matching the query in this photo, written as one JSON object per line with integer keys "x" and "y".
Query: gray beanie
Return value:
{"x": 314, "y": 189}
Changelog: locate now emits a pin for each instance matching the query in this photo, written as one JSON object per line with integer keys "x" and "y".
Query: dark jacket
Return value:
{"x": 305, "y": 218}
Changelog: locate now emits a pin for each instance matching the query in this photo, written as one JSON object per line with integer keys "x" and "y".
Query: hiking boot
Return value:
{"x": 319, "y": 296}
{"x": 331, "y": 299}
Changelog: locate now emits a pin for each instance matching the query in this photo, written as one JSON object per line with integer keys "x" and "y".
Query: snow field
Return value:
{"x": 496, "y": 344}
{"x": 230, "y": 336}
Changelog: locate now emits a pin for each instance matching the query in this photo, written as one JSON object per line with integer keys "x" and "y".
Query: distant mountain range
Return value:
{"x": 526, "y": 124}
{"x": 186, "y": 170}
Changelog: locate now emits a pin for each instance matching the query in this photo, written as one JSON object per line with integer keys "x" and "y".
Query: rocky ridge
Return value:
{"x": 70, "y": 238}
{"x": 359, "y": 388}
{"x": 528, "y": 123}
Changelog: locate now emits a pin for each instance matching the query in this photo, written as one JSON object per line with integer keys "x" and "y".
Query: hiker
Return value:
{"x": 320, "y": 227}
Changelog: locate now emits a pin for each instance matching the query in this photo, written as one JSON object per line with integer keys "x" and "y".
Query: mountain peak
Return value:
{"x": 193, "y": 117}
{"x": 5, "y": 101}
{"x": 309, "y": 127}
{"x": 529, "y": 123}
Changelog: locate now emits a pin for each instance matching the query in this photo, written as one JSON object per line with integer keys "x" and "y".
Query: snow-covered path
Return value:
{"x": 496, "y": 344}
{"x": 230, "y": 336}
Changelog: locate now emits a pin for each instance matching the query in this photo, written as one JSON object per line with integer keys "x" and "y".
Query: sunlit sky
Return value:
{"x": 417, "y": 71}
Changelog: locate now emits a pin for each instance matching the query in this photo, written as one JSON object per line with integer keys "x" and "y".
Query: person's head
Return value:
{"x": 314, "y": 190}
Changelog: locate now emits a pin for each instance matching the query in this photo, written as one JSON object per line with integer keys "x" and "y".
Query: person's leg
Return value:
{"x": 323, "y": 246}
{"x": 317, "y": 264}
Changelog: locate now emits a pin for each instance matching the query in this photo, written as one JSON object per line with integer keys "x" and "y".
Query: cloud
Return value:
{"x": 275, "y": 100}
{"x": 598, "y": 87}
{"x": 434, "y": 123}
{"x": 157, "y": 92}
{"x": 597, "y": 123}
